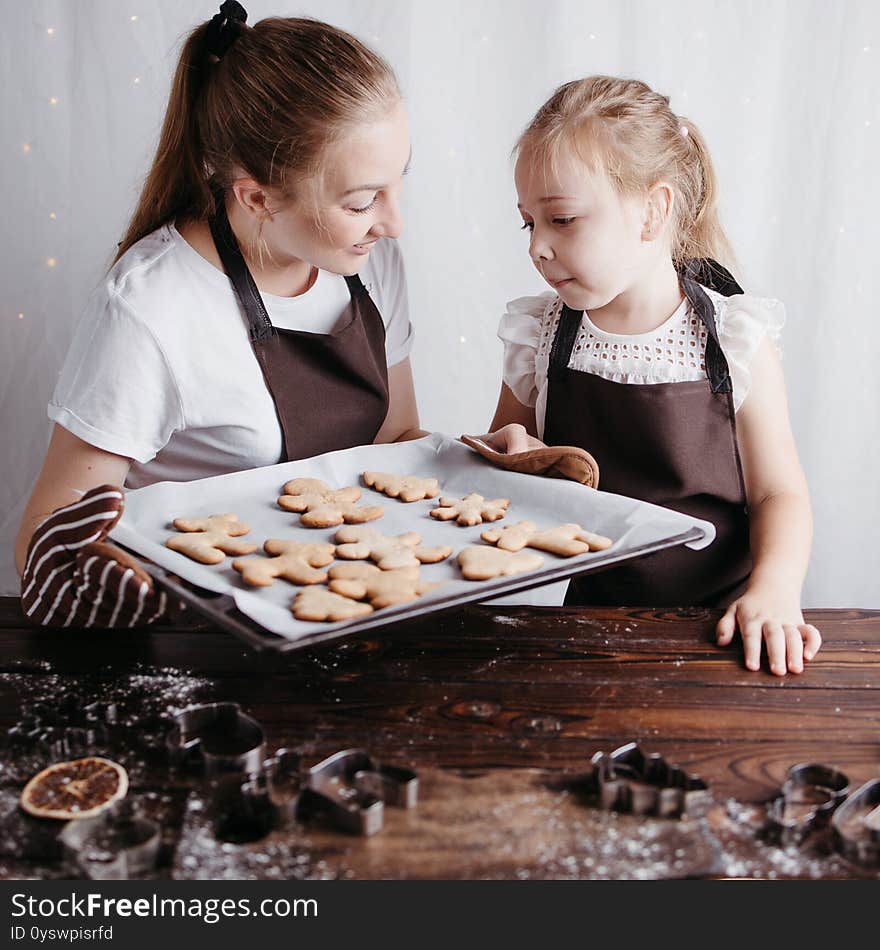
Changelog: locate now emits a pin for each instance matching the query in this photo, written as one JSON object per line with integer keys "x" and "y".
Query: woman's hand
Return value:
{"x": 511, "y": 439}
{"x": 763, "y": 615}
{"x": 74, "y": 578}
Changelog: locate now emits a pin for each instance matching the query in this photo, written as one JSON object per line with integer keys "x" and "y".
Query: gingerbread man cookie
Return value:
{"x": 209, "y": 540}
{"x": 405, "y": 487}
{"x": 470, "y": 510}
{"x": 321, "y": 506}
{"x": 292, "y": 560}
{"x": 357, "y": 543}
{"x": 319, "y": 604}
{"x": 381, "y": 588}
{"x": 566, "y": 540}
{"x": 484, "y": 564}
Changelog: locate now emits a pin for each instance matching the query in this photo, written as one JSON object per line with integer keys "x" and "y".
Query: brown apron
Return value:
{"x": 672, "y": 444}
{"x": 330, "y": 390}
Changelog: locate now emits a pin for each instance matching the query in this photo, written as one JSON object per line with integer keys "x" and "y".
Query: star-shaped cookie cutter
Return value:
{"x": 630, "y": 781}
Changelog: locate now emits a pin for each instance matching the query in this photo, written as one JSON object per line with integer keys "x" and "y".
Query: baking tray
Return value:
{"x": 262, "y": 616}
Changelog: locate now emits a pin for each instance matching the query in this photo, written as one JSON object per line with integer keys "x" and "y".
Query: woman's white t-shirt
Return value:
{"x": 673, "y": 352}
{"x": 161, "y": 370}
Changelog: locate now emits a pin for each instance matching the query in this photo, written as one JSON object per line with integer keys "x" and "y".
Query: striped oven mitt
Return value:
{"x": 74, "y": 578}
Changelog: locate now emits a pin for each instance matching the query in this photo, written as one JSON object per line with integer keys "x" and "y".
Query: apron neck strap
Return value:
{"x": 259, "y": 325}
{"x": 355, "y": 285}
{"x": 706, "y": 272}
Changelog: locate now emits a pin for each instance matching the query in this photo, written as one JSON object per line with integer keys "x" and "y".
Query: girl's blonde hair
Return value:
{"x": 624, "y": 128}
{"x": 282, "y": 92}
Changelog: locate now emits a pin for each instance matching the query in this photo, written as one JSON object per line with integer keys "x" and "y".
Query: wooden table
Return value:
{"x": 499, "y": 709}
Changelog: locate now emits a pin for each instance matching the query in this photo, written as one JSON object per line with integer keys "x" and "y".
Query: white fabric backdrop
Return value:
{"x": 787, "y": 93}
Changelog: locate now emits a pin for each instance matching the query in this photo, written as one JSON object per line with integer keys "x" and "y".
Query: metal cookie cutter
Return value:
{"x": 630, "y": 781}
{"x": 117, "y": 844}
{"x": 353, "y": 789}
{"x": 266, "y": 800}
{"x": 809, "y": 796}
{"x": 219, "y": 735}
{"x": 856, "y": 825}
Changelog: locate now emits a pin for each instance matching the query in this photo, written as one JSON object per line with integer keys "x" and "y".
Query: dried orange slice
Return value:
{"x": 77, "y": 789}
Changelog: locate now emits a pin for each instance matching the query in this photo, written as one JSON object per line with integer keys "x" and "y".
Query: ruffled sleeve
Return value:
{"x": 743, "y": 322}
{"x": 520, "y": 331}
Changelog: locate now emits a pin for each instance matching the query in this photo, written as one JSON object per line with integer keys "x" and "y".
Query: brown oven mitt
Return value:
{"x": 555, "y": 461}
{"x": 74, "y": 577}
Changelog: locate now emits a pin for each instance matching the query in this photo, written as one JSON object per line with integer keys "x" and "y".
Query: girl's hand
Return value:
{"x": 511, "y": 439}
{"x": 765, "y": 615}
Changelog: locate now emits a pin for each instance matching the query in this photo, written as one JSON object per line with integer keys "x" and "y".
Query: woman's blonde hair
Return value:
{"x": 282, "y": 92}
{"x": 624, "y": 128}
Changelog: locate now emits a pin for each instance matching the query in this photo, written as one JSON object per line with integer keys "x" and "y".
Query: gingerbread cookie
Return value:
{"x": 321, "y": 506}
{"x": 319, "y": 604}
{"x": 209, "y": 540}
{"x": 381, "y": 588}
{"x": 566, "y": 540}
{"x": 484, "y": 564}
{"x": 357, "y": 543}
{"x": 514, "y": 537}
{"x": 470, "y": 510}
{"x": 405, "y": 487}
{"x": 293, "y": 561}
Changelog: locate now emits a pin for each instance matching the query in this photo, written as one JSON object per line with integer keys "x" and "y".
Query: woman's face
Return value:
{"x": 355, "y": 200}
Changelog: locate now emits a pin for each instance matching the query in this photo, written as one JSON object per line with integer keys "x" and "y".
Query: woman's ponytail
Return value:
{"x": 176, "y": 185}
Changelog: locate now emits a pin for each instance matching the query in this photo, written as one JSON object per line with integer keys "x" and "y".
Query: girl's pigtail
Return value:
{"x": 703, "y": 236}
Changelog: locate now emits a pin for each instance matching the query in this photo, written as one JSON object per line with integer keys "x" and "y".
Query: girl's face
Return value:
{"x": 355, "y": 200}
{"x": 586, "y": 239}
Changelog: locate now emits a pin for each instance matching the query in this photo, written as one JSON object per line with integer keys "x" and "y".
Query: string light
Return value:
{"x": 50, "y": 30}
{"x": 51, "y": 262}
{"x": 52, "y": 215}
{"x": 461, "y": 339}
{"x": 53, "y": 100}
{"x": 134, "y": 18}
{"x": 137, "y": 79}
{"x": 21, "y": 316}
{"x": 26, "y": 147}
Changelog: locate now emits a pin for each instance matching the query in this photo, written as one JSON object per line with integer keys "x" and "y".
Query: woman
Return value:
{"x": 234, "y": 328}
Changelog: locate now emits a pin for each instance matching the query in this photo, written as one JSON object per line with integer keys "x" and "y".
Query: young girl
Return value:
{"x": 256, "y": 311}
{"x": 648, "y": 354}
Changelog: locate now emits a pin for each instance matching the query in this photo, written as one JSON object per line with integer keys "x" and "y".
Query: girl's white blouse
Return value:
{"x": 673, "y": 352}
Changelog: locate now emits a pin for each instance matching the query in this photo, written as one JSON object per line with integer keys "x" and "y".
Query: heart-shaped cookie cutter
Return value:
{"x": 630, "y": 781}
{"x": 219, "y": 736}
{"x": 353, "y": 789}
{"x": 856, "y": 825}
{"x": 116, "y": 844}
{"x": 810, "y": 794}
